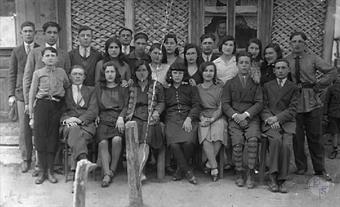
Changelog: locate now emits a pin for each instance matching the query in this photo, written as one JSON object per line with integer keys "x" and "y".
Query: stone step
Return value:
{"x": 9, "y": 129}
{"x": 10, "y": 155}
{"x": 9, "y": 140}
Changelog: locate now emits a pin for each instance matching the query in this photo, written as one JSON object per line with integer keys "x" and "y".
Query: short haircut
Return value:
{"x": 78, "y": 67}
{"x": 52, "y": 49}
{"x": 51, "y": 24}
{"x": 281, "y": 60}
{"x": 27, "y": 24}
{"x": 84, "y": 28}
{"x": 171, "y": 36}
{"x": 206, "y": 36}
{"x": 141, "y": 35}
{"x": 302, "y": 34}
{"x": 125, "y": 29}
{"x": 225, "y": 39}
{"x": 242, "y": 54}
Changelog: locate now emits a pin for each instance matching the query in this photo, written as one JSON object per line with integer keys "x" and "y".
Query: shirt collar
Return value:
{"x": 75, "y": 86}
{"x": 54, "y": 46}
{"x": 31, "y": 45}
{"x": 283, "y": 81}
{"x": 82, "y": 49}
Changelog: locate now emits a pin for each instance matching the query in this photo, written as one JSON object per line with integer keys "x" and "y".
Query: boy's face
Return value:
{"x": 281, "y": 70}
{"x": 243, "y": 64}
{"x": 51, "y": 35}
{"x": 298, "y": 44}
{"x": 125, "y": 37}
{"x": 85, "y": 38}
{"x": 28, "y": 34}
{"x": 49, "y": 58}
{"x": 140, "y": 45}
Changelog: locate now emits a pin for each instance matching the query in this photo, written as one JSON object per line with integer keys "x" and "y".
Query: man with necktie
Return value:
{"x": 207, "y": 45}
{"x": 125, "y": 37}
{"x": 305, "y": 68}
{"x": 16, "y": 72}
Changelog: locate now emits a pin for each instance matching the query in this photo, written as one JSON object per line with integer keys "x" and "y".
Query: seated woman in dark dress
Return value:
{"x": 181, "y": 120}
{"x": 272, "y": 52}
{"x": 192, "y": 61}
{"x": 146, "y": 103}
{"x": 112, "y": 100}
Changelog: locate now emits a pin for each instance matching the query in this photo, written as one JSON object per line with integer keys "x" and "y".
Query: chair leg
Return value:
{"x": 222, "y": 160}
{"x": 161, "y": 163}
{"x": 264, "y": 146}
{"x": 66, "y": 162}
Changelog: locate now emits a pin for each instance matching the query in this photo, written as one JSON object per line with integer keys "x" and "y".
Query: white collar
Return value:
{"x": 283, "y": 81}
{"x": 54, "y": 46}
{"x": 31, "y": 45}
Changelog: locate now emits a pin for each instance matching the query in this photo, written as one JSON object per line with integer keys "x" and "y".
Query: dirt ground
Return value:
{"x": 19, "y": 190}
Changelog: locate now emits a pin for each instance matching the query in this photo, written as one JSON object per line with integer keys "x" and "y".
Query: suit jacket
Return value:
{"x": 332, "y": 100}
{"x": 236, "y": 99}
{"x": 87, "y": 113}
{"x": 16, "y": 71}
{"x": 214, "y": 56}
{"x": 282, "y": 103}
{"x": 34, "y": 63}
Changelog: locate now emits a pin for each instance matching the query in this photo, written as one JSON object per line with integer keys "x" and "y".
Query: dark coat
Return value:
{"x": 332, "y": 100}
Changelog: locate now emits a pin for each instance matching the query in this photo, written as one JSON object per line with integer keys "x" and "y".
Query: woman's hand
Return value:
{"x": 31, "y": 123}
{"x": 187, "y": 125}
{"x": 192, "y": 82}
{"x": 205, "y": 121}
{"x": 124, "y": 84}
{"x": 96, "y": 122}
{"x": 155, "y": 116}
{"x": 120, "y": 124}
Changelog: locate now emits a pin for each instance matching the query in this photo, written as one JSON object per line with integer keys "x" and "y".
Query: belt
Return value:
{"x": 52, "y": 98}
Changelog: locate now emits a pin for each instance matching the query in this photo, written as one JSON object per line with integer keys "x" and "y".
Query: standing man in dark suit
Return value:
{"x": 16, "y": 73}
{"x": 34, "y": 61}
{"x": 242, "y": 102}
{"x": 207, "y": 45}
{"x": 80, "y": 113}
{"x": 85, "y": 55}
{"x": 280, "y": 101}
{"x": 305, "y": 68}
{"x": 125, "y": 37}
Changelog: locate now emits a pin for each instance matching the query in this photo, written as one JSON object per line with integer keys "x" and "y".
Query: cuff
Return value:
{"x": 247, "y": 113}
{"x": 233, "y": 115}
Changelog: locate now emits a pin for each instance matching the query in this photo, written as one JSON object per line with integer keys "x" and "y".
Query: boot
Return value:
{"x": 50, "y": 176}
{"x": 250, "y": 179}
{"x": 41, "y": 178}
{"x": 239, "y": 179}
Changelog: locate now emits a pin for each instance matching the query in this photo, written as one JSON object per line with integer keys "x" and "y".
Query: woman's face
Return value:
{"x": 110, "y": 74}
{"x": 191, "y": 55}
{"x": 177, "y": 76}
{"x": 113, "y": 50}
{"x": 270, "y": 55}
{"x": 156, "y": 55}
{"x": 208, "y": 73}
{"x": 254, "y": 49}
{"x": 170, "y": 45}
{"x": 142, "y": 73}
{"x": 228, "y": 47}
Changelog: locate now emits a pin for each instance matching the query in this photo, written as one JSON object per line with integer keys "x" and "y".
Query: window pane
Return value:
{"x": 7, "y": 7}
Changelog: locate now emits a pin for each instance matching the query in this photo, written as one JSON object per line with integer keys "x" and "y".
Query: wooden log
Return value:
{"x": 134, "y": 182}
{"x": 82, "y": 170}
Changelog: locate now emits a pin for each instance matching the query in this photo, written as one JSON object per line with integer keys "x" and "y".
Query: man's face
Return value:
{"x": 77, "y": 76}
{"x": 221, "y": 29}
{"x": 298, "y": 44}
{"x": 125, "y": 37}
{"x": 140, "y": 45}
{"x": 281, "y": 70}
{"x": 49, "y": 58}
{"x": 85, "y": 38}
{"x": 28, "y": 34}
{"x": 207, "y": 46}
{"x": 243, "y": 64}
{"x": 51, "y": 35}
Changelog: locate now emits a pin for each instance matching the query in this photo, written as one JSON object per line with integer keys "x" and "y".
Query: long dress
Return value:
{"x": 112, "y": 103}
{"x": 181, "y": 102}
{"x": 211, "y": 102}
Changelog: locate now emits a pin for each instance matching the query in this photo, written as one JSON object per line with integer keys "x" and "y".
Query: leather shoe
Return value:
{"x": 178, "y": 175}
{"x": 300, "y": 171}
{"x": 324, "y": 175}
{"x": 251, "y": 179}
{"x": 239, "y": 179}
{"x": 191, "y": 177}
{"x": 273, "y": 186}
{"x": 51, "y": 177}
{"x": 283, "y": 188}
{"x": 40, "y": 179}
{"x": 25, "y": 166}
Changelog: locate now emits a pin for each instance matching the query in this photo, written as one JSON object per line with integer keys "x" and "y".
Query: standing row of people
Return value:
{"x": 218, "y": 98}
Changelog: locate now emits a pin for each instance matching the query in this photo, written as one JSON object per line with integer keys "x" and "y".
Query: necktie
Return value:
{"x": 281, "y": 83}
{"x": 85, "y": 53}
{"x": 80, "y": 100}
{"x": 244, "y": 81}
{"x": 28, "y": 49}
{"x": 297, "y": 69}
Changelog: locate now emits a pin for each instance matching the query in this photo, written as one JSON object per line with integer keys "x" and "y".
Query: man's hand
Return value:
{"x": 31, "y": 123}
{"x": 11, "y": 100}
{"x": 120, "y": 124}
{"x": 72, "y": 121}
{"x": 26, "y": 111}
{"x": 187, "y": 125}
{"x": 275, "y": 125}
{"x": 271, "y": 120}
{"x": 240, "y": 117}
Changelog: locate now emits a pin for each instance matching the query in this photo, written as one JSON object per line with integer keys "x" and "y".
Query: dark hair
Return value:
{"x": 277, "y": 49}
{"x": 83, "y": 28}
{"x": 78, "y": 67}
{"x": 205, "y": 65}
{"x": 141, "y": 35}
{"x": 206, "y": 36}
{"x": 242, "y": 54}
{"x": 259, "y": 43}
{"x": 302, "y": 34}
{"x": 27, "y": 24}
{"x": 199, "y": 59}
{"x": 171, "y": 36}
{"x": 51, "y": 24}
{"x": 52, "y": 49}
{"x": 177, "y": 66}
{"x": 162, "y": 48}
{"x": 118, "y": 78}
{"x": 225, "y": 39}
{"x": 138, "y": 64}
{"x": 107, "y": 57}
{"x": 125, "y": 29}
{"x": 281, "y": 60}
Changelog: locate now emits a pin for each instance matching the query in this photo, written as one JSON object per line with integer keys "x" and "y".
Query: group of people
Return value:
{"x": 179, "y": 101}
